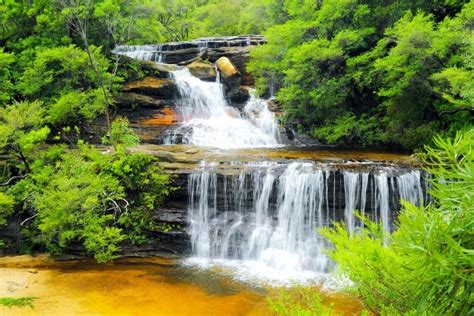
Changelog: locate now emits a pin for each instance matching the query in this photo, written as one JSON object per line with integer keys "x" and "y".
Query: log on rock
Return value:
{"x": 227, "y": 68}
{"x": 231, "y": 76}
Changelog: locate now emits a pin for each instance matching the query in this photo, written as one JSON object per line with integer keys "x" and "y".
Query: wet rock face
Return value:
{"x": 232, "y": 52}
{"x": 233, "y": 192}
{"x": 134, "y": 100}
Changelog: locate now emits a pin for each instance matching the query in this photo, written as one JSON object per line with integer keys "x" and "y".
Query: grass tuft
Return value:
{"x": 17, "y": 301}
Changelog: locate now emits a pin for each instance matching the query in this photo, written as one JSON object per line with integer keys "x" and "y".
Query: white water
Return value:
{"x": 262, "y": 223}
{"x": 141, "y": 52}
{"x": 209, "y": 121}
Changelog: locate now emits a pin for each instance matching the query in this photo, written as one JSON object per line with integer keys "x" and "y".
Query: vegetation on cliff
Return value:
{"x": 345, "y": 71}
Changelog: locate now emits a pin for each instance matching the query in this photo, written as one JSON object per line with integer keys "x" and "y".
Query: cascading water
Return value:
{"x": 209, "y": 121}
{"x": 141, "y": 52}
{"x": 263, "y": 221}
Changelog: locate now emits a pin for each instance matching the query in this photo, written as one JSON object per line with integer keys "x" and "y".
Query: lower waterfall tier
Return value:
{"x": 267, "y": 214}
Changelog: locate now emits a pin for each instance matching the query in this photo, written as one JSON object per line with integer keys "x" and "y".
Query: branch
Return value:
{"x": 186, "y": 62}
{"x": 456, "y": 110}
{"x": 10, "y": 180}
{"x": 31, "y": 217}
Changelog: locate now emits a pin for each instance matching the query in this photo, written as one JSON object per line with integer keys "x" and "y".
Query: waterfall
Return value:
{"x": 265, "y": 218}
{"x": 256, "y": 110}
{"x": 209, "y": 121}
{"x": 141, "y": 52}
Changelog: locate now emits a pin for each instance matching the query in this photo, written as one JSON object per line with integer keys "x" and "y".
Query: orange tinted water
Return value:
{"x": 134, "y": 287}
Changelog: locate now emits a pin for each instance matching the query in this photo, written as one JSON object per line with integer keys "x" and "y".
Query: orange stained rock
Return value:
{"x": 166, "y": 116}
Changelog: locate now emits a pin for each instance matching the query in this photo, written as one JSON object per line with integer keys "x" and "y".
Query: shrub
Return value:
{"x": 425, "y": 266}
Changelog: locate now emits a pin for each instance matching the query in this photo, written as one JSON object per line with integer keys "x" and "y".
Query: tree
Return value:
{"x": 22, "y": 130}
{"x": 63, "y": 78}
{"x": 369, "y": 72}
{"x": 77, "y": 14}
{"x": 88, "y": 201}
{"x": 6, "y": 84}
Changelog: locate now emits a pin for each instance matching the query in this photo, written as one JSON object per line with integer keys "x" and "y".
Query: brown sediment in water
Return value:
{"x": 151, "y": 286}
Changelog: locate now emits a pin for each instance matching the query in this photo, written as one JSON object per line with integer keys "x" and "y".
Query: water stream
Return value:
{"x": 210, "y": 121}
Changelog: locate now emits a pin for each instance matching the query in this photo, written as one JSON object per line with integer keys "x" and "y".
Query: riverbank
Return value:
{"x": 151, "y": 286}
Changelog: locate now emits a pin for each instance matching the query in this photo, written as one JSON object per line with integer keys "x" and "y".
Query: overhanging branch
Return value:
{"x": 456, "y": 110}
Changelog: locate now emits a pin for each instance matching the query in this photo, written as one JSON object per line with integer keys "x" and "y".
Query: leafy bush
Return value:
{"x": 403, "y": 66}
{"x": 342, "y": 128}
{"x": 6, "y": 207}
{"x": 92, "y": 200}
{"x": 121, "y": 134}
{"x": 425, "y": 266}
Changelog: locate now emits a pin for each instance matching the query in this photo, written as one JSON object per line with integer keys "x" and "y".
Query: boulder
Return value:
{"x": 151, "y": 86}
{"x": 203, "y": 70}
{"x": 240, "y": 98}
{"x": 274, "y": 106}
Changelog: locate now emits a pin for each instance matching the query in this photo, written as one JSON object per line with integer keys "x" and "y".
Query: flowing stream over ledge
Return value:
{"x": 209, "y": 121}
{"x": 262, "y": 222}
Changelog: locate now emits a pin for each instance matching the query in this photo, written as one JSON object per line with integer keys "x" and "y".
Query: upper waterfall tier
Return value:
{"x": 207, "y": 120}
{"x": 181, "y": 52}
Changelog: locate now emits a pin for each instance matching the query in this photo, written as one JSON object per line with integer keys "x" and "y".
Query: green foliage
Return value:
{"x": 17, "y": 301}
{"x": 167, "y": 227}
{"x": 73, "y": 202}
{"x": 228, "y": 18}
{"x": 121, "y": 134}
{"x": 91, "y": 200}
{"x": 425, "y": 266}
{"x": 55, "y": 59}
{"x": 6, "y": 207}
{"x": 65, "y": 80}
{"x": 22, "y": 130}
{"x": 341, "y": 128}
{"x": 400, "y": 65}
{"x": 6, "y": 85}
